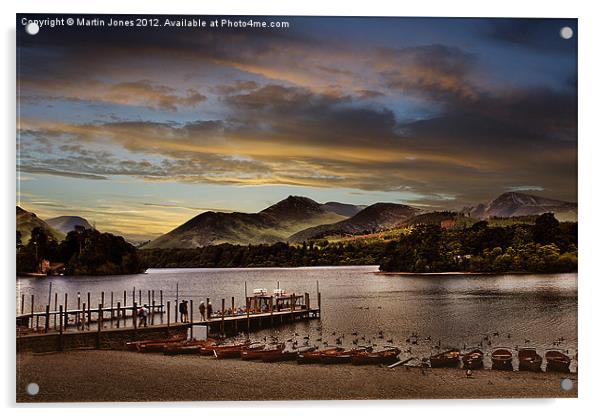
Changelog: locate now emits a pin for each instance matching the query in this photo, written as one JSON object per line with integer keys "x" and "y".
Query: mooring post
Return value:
{"x": 32, "y": 300}
{"x": 233, "y": 310}
{"x": 22, "y": 303}
{"x": 66, "y": 313}
{"x": 175, "y": 312}
{"x": 112, "y": 312}
{"x": 133, "y": 295}
{"x": 118, "y": 313}
{"x": 99, "y": 326}
{"x": 47, "y": 319}
{"x": 102, "y": 298}
{"x": 89, "y": 314}
{"x": 168, "y": 313}
{"x": 139, "y": 296}
{"x": 78, "y": 316}
{"x": 88, "y": 303}
{"x": 60, "y": 329}
{"x": 153, "y": 314}
{"x": 293, "y": 300}
{"x": 223, "y": 330}
{"x": 149, "y": 297}
{"x": 56, "y": 306}
{"x": 83, "y": 320}
{"x": 191, "y": 319}
{"x": 134, "y": 321}
{"x": 125, "y": 299}
{"x": 207, "y": 311}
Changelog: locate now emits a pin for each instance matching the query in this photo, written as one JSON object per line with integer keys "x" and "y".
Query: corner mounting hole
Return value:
{"x": 566, "y": 384}
{"x": 566, "y": 33}
{"x": 32, "y": 389}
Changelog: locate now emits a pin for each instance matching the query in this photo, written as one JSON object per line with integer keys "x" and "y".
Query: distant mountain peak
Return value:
{"x": 67, "y": 223}
{"x": 294, "y": 207}
{"x": 514, "y": 204}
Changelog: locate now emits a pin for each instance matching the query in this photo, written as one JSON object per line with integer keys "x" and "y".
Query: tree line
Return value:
{"x": 83, "y": 252}
{"x": 545, "y": 246}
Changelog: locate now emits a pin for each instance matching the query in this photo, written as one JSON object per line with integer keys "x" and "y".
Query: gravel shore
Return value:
{"x": 95, "y": 375}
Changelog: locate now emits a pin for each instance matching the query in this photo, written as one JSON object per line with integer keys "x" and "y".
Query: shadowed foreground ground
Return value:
{"x": 81, "y": 376}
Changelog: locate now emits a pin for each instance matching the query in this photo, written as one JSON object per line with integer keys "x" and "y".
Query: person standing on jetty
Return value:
{"x": 143, "y": 315}
{"x": 184, "y": 311}
{"x": 202, "y": 310}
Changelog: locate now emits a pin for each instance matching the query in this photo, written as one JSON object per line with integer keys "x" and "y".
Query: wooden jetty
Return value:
{"x": 260, "y": 311}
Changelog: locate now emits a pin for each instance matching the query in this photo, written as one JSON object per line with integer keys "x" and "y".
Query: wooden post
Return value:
{"x": 22, "y": 303}
{"x": 139, "y": 296}
{"x": 320, "y": 304}
{"x": 112, "y": 313}
{"x": 125, "y": 299}
{"x": 168, "y": 312}
{"x": 161, "y": 303}
{"x": 134, "y": 320}
{"x": 306, "y": 301}
{"x": 152, "y": 317}
{"x": 88, "y": 303}
{"x": 83, "y": 316}
{"x": 118, "y": 313}
{"x": 89, "y": 315}
{"x": 79, "y": 305}
{"x": 272, "y": 310}
{"x": 32, "y": 299}
{"x": 60, "y": 329}
{"x": 99, "y": 324}
{"x": 223, "y": 316}
{"x": 191, "y": 319}
{"x": 56, "y": 306}
{"x": 233, "y": 306}
{"x": 175, "y": 310}
{"x": 207, "y": 310}
{"x": 293, "y": 299}
{"x": 134, "y": 295}
{"x": 102, "y": 298}
{"x": 66, "y": 314}
{"x": 47, "y": 319}
{"x": 149, "y": 297}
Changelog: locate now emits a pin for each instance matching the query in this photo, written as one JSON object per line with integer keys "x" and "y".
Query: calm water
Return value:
{"x": 457, "y": 310}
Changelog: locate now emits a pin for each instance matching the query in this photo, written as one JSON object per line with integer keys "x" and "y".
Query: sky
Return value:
{"x": 140, "y": 129}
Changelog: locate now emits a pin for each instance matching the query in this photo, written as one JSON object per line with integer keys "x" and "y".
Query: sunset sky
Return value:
{"x": 138, "y": 130}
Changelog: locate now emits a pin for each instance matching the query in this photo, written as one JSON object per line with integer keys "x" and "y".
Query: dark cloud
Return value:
{"x": 541, "y": 35}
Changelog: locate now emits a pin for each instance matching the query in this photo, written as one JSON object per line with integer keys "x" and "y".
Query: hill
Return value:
{"x": 516, "y": 204}
{"x": 379, "y": 216}
{"x": 270, "y": 225}
{"x": 27, "y": 221}
{"x": 67, "y": 223}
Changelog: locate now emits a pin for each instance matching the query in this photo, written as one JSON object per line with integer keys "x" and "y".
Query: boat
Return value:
{"x": 338, "y": 357}
{"x": 501, "y": 359}
{"x": 188, "y": 347}
{"x": 529, "y": 360}
{"x": 314, "y": 357}
{"x": 230, "y": 350}
{"x": 473, "y": 360}
{"x": 281, "y": 355}
{"x": 257, "y": 353}
{"x": 388, "y": 356}
{"x": 134, "y": 345}
{"x": 557, "y": 361}
{"x": 449, "y": 358}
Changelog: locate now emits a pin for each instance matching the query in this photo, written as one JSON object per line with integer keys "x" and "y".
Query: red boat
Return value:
{"x": 314, "y": 357}
{"x": 501, "y": 359}
{"x": 529, "y": 360}
{"x": 134, "y": 345}
{"x": 276, "y": 356}
{"x": 257, "y": 353}
{"x": 188, "y": 347}
{"x": 388, "y": 356}
{"x": 449, "y": 358}
{"x": 338, "y": 357}
{"x": 557, "y": 361}
{"x": 229, "y": 351}
{"x": 473, "y": 360}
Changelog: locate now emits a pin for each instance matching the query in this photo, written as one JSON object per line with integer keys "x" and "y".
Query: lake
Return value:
{"x": 445, "y": 310}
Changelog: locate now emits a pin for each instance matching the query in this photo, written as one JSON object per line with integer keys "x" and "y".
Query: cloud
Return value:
{"x": 134, "y": 93}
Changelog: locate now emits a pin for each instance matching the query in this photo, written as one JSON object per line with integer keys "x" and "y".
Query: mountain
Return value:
{"x": 379, "y": 216}
{"x": 346, "y": 210}
{"x": 270, "y": 225}
{"x": 515, "y": 204}
{"x": 27, "y": 221}
{"x": 67, "y": 223}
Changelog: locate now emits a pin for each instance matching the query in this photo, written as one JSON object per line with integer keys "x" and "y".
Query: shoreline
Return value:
{"x": 114, "y": 376}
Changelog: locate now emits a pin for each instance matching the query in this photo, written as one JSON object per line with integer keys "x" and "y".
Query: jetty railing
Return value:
{"x": 259, "y": 311}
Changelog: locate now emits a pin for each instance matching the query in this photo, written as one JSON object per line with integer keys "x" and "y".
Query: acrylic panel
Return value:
{"x": 295, "y": 208}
